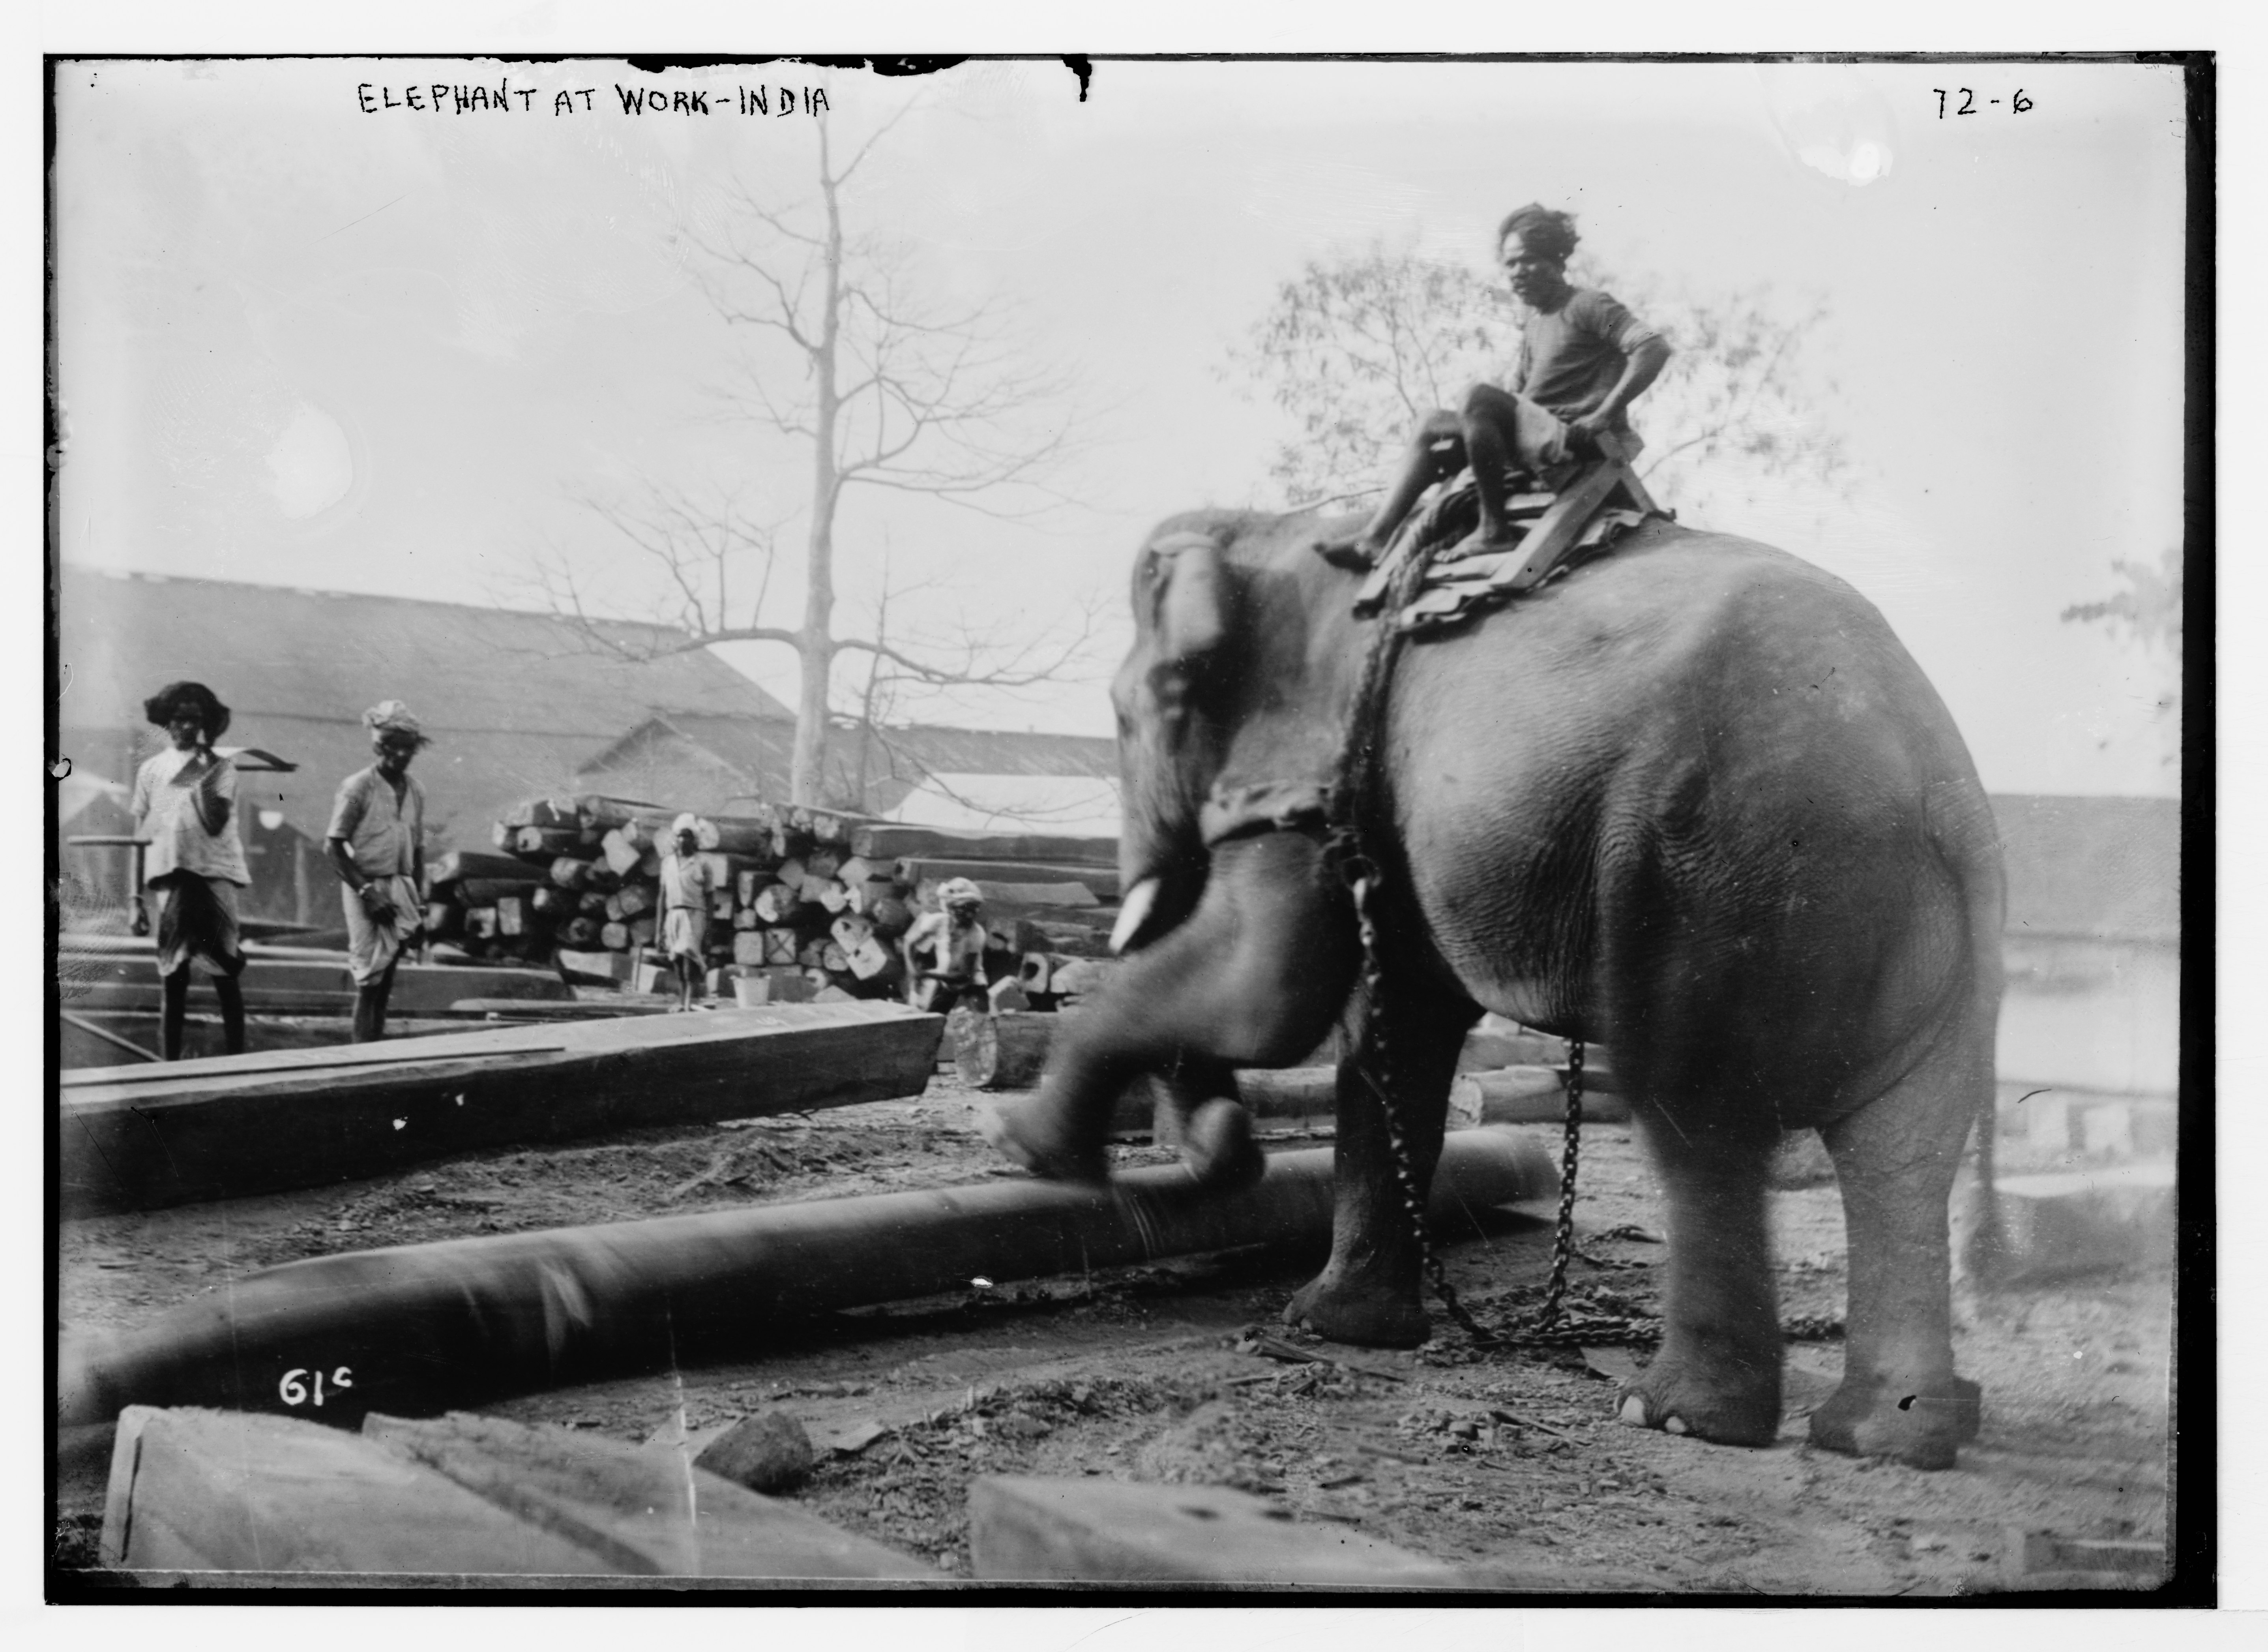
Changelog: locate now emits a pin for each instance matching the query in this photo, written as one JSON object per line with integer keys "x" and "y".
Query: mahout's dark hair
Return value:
{"x": 1544, "y": 232}
{"x": 161, "y": 707}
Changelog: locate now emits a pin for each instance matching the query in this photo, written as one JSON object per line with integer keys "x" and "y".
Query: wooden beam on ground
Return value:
{"x": 421, "y": 1329}
{"x": 880, "y": 840}
{"x": 1027, "y": 1530}
{"x": 207, "y": 1491}
{"x": 458, "y": 1498}
{"x": 228, "y": 1126}
{"x": 320, "y": 978}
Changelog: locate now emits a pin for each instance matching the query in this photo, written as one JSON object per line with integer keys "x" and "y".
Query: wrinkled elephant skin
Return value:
{"x": 1693, "y": 802}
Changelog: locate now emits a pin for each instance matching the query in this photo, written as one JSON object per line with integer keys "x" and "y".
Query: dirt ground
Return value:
{"x": 1509, "y": 1463}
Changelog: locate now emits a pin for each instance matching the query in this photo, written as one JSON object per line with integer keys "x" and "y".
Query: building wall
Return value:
{"x": 2091, "y": 1013}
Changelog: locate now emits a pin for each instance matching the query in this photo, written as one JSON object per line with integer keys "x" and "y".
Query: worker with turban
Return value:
{"x": 952, "y": 938}
{"x": 184, "y": 810}
{"x": 376, "y": 843}
{"x": 687, "y": 890}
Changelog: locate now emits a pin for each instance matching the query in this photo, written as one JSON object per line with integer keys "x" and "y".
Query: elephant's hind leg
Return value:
{"x": 1371, "y": 1293}
{"x": 1718, "y": 1374}
{"x": 1895, "y": 1159}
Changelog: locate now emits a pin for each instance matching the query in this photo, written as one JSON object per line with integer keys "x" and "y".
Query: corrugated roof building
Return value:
{"x": 516, "y": 702}
{"x": 706, "y": 762}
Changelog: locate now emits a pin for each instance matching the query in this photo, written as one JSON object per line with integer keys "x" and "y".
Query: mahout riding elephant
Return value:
{"x": 1692, "y": 801}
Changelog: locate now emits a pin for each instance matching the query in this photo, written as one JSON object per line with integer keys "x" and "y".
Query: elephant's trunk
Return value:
{"x": 1252, "y": 977}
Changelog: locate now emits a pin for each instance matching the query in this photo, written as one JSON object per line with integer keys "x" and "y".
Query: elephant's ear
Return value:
{"x": 1192, "y": 601}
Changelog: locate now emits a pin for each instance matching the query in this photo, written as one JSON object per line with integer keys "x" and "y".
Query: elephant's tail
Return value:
{"x": 1968, "y": 842}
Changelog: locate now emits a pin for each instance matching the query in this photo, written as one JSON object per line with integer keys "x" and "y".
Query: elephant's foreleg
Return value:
{"x": 1251, "y": 978}
{"x": 1895, "y": 1159}
{"x": 1371, "y": 1291}
{"x": 1717, "y": 1373}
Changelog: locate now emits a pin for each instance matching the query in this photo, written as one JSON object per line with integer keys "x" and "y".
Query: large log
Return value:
{"x": 459, "y": 864}
{"x": 915, "y": 870}
{"x": 1532, "y": 1095}
{"x": 747, "y": 835}
{"x": 1000, "y": 1052}
{"x": 485, "y": 891}
{"x": 877, "y": 840}
{"x": 236, "y": 1125}
{"x": 1017, "y": 897}
{"x": 427, "y": 1328}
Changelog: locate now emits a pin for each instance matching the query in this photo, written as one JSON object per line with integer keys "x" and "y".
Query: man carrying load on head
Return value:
{"x": 376, "y": 843}
{"x": 953, "y": 937}
{"x": 686, "y": 893}
{"x": 185, "y": 807}
{"x": 1583, "y": 360}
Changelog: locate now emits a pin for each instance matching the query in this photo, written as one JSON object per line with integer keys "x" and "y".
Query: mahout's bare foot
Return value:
{"x": 1483, "y": 541}
{"x": 1358, "y": 553}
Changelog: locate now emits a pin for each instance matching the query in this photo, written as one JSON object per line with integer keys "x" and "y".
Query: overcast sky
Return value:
{"x": 397, "y": 352}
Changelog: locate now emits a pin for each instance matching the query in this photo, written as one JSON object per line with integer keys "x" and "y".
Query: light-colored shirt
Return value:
{"x": 684, "y": 882}
{"x": 381, "y": 829}
{"x": 1571, "y": 356}
{"x": 167, "y": 815}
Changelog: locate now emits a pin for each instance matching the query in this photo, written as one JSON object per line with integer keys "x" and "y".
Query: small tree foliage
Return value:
{"x": 1359, "y": 346}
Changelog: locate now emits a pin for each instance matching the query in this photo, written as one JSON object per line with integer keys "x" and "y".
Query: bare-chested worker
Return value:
{"x": 1583, "y": 360}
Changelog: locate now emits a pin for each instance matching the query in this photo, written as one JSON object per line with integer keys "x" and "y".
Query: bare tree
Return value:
{"x": 1360, "y": 346}
{"x": 2148, "y": 613}
{"x": 881, "y": 387}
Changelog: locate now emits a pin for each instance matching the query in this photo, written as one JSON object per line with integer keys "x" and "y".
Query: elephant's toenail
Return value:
{"x": 1634, "y": 1410}
{"x": 1675, "y": 1425}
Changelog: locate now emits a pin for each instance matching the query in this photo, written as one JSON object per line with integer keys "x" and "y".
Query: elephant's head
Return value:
{"x": 1220, "y": 685}
{"x": 1168, "y": 696}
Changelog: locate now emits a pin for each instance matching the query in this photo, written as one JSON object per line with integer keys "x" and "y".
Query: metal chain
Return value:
{"x": 1345, "y": 855}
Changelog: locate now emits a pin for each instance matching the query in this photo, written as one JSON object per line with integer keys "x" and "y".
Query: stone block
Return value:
{"x": 1027, "y": 1530}
{"x": 2114, "y": 1216}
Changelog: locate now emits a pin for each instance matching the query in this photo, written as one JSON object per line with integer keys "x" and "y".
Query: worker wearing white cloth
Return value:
{"x": 376, "y": 843}
{"x": 685, "y": 902}
{"x": 185, "y": 806}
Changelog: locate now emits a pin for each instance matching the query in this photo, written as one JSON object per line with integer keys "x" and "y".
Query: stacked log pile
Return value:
{"x": 809, "y": 901}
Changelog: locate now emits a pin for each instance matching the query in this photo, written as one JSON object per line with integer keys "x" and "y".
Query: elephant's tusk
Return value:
{"x": 1134, "y": 913}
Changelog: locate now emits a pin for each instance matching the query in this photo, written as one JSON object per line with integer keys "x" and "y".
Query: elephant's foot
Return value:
{"x": 1922, "y": 1425}
{"x": 1217, "y": 1147}
{"x": 1722, "y": 1394}
{"x": 1038, "y": 1140}
{"x": 1367, "y": 1314}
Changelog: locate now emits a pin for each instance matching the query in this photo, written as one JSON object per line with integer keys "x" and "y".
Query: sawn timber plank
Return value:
{"x": 225, "y": 1126}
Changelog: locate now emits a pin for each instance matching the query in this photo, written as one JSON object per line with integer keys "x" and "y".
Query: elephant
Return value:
{"x": 1692, "y": 801}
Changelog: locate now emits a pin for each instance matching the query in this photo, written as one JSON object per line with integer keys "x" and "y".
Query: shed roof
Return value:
{"x": 516, "y": 702}
{"x": 2109, "y": 867}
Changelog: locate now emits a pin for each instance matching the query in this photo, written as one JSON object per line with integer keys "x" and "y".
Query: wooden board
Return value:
{"x": 313, "y": 979}
{"x": 229, "y": 1125}
{"x": 455, "y": 1497}
{"x": 915, "y": 870}
{"x": 1023, "y": 1529}
{"x": 879, "y": 840}
{"x": 84, "y": 1048}
{"x": 198, "y": 1491}
{"x": 641, "y": 1512}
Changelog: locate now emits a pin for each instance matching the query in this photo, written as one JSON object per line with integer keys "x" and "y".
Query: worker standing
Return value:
{"x": 953, "y": 937}
{"x": 376, "y": 843}
{"x": 686, "y": 894}
{"x": 185, "y": 806}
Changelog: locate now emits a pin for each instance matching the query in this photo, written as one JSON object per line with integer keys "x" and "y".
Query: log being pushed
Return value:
{"x": 140, "y": 1137}
{"x": 421, "y": 1329}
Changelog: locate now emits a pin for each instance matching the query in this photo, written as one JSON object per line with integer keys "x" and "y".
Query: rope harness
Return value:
{"x": 1351, "y": 800}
